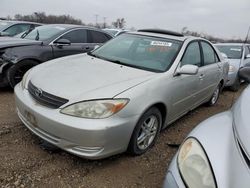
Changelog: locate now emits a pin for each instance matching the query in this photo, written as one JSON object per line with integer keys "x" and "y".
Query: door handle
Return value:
{"x": 201, "y": 76}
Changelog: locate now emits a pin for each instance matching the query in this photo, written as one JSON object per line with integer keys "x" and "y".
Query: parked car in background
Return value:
{"x": 12, "y": 28}
{"x": 216, "y": 153}
{"x": 238, "y": 55}
{"x": 42, "y": 44}
{"x": 121, "y": 95}
{"x": 116, "y": 32}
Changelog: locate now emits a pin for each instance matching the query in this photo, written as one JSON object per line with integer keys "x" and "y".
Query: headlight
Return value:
{"x": 96, "y": 109}
{"x": 232, "y": 68}
{"x": 24, "y": 80}
{"x": 194, "y": 166}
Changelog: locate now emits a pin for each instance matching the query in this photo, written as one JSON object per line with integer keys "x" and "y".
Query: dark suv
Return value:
{"x": 42, "y": 44}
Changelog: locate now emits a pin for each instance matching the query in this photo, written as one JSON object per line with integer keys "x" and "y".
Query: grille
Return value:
{"x": 45, "y": 98}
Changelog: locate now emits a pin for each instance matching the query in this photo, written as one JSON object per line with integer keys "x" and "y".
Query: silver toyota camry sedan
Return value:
{"x": 118, "y": 97}
{"x": 216, "y": 154}
{"x": 238, "y": 55}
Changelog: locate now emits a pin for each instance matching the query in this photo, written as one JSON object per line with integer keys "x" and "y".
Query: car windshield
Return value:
{"x": 4, "y": 25}
{"x": 143, "y": 52}
{"x": 232, "y": 51}
{"x": 45, "y": 32}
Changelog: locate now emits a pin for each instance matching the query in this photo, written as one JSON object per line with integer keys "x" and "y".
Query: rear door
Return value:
{"x": 78, "y": 39}
{"x": 210, "y": 72}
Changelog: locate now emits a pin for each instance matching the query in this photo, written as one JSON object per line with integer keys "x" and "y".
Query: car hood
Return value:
{"x": 82, "y": 77}
{"x": 235, "y": 62}
{"x": 241, "y": 111}
{"x": 7, "y": 42}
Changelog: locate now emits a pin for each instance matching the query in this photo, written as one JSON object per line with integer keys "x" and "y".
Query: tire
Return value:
{"x": 215, "y": 96}
{"x": 15, "y": 72}
{"x": 236, "y": 86}
{"x": 3, "y": 80}
{"x": 147, "y": 133}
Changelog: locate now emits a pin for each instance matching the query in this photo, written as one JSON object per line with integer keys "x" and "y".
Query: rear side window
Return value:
{"x": 209, "y": 54}
{"x": 98, "y": 37}
{"x": 76, "y": 36}
{"x": 192, "y": 55}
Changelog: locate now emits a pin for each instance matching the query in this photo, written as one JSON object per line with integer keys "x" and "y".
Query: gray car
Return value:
{"x": 238, "y": 55}
{"x": 118, "y": 97}
{"x": 216, "y": 153}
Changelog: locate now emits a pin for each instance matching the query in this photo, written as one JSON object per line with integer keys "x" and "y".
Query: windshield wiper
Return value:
{"x": 37, "y": 35}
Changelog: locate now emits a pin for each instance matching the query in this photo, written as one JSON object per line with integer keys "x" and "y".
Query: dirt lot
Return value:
{"x": 25, "y": 163}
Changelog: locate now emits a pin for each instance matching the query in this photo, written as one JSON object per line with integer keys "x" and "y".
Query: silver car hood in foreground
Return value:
{"x": 82, "y": 77}
{"x": 241, "y": 113}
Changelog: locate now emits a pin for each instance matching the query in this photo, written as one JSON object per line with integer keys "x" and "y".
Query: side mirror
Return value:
{"x": 224, "y": 55}
{"x": 188, "y": 69}
{"x": 96, "y": 46}
{"x": 244, "y": 73}
{"x": 248, "y": 56}
{"x": 62, "y": 42}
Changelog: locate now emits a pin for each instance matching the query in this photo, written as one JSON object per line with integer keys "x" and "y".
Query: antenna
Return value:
{"x": 247, "y": 35}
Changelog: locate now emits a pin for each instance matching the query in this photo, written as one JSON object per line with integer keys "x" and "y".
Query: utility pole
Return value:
{"x": 247, "y": 34}
{"x": 104, "y": 22}
{"x": 96, "y": 19}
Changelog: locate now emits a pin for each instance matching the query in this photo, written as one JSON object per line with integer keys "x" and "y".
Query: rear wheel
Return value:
{"x": 145, "y": 132}
{"x": 15, "y": 72}
{"x": 215, "y": 96}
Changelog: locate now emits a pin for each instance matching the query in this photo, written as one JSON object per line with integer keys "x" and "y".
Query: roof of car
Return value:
{"x": 163, "y": 34}
{"x": 16, "y": 22}
{"x": 232, "y": 44}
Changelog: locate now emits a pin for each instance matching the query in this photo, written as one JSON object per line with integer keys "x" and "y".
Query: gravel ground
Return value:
{"x": 25, "y": 163}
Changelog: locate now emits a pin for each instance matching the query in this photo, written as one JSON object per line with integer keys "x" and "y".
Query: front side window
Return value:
{"x": 232, "y": 51}
{"x": 209, "y": 54}
{"x": 76, "y": 36}
{"x": 143, "y": 52}
{"x": 192, "y": 55}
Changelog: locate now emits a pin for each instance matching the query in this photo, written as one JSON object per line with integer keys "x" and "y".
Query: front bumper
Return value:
{"x": 88, "y": 138}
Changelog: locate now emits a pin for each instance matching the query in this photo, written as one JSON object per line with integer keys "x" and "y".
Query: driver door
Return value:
{"x": 185, "y": 87}
{"x": 78, "y": 43}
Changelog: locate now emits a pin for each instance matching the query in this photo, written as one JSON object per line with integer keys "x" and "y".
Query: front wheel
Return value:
{"x": 145, "y": 132}
{"x": 16, "y": 72}
{"x": 215, "y": 96}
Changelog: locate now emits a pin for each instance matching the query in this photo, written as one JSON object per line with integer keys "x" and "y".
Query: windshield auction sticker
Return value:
{"x": 160, "y": 43}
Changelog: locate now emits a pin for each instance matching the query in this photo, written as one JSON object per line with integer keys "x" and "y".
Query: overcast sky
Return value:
{"x": 221, "y": 18}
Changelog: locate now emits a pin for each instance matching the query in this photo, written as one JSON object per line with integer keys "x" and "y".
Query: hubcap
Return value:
{"x": 215, "y": 95}
{"x": 147, "y": 132}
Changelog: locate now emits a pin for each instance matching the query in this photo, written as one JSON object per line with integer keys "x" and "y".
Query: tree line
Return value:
{"x": 42, "y": 17}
